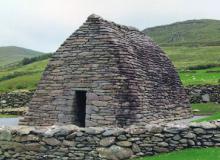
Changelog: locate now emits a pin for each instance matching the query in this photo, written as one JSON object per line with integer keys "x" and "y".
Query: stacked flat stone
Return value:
{"x": 203, "y": 93}
{"x": 127, "y": 78}
{"x": 15, "y": 99}
{"x": 92, "y": 143}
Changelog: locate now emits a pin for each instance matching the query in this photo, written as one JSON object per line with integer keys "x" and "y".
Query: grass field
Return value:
{"x": 211, "y": 109}
{"x": 188, "y": 154}
{"x": 183, "y": 57}
{"x": 7, "y": 116}
{"x": 215, "y": 116}
{"x": 28, "y": 81}
{"x": 206, "y": 108}
{"x": 204, "y": 76}
{"x": 187, "y": 33}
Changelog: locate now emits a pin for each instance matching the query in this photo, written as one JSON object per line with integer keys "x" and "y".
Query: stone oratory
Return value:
{"x": 107, "y": 74}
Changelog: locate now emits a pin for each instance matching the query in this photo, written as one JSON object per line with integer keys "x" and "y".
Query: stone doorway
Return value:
{"x": 81, "y": 108}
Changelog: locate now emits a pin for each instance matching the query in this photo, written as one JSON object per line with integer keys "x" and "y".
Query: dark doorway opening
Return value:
{"x": 81, "y": 107}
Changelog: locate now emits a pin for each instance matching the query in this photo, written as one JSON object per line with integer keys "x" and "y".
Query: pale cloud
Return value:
{"x": 44, "y": 24}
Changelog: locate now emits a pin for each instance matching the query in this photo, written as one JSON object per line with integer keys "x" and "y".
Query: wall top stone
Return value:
{"x": 63, "y": 130}
{"x": 93, "y": 143}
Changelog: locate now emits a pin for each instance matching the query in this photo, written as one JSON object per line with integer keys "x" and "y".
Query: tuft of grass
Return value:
{"x": 213, "y": 117}
{"x": 7, "y": 116}
{"x": 206, "y": 108}
{"x": 188, "y": 154}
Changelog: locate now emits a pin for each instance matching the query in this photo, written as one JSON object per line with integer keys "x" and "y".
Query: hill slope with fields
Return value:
{"x": 12, "y": 54}
{"x": 204, "y": 32}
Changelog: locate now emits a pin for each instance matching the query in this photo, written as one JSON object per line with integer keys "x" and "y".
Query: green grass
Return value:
{"x": 188, "y": 154}
{"x": 12, "y": 54}
{"x": 213, "y": 117}
{"x": 183, "y": 57}
{"x": 206, "y": 108}
{"x": 7, "y": 116}
{"x": 211, "y": 109}
{"x": 197, "y": 77}
{"x": 187, "y": 33}
{"x": 28, "y": 81}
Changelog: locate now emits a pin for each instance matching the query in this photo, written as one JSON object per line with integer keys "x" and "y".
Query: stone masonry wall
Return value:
{"x": 203, "y": 93}
{"x": 72, "y": 143}
{"x": 15, "y": 99}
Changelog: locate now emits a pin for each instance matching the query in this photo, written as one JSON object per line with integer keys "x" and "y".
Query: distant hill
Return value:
{"x": 12, "y": 54}
{"x": 204, "y": 32}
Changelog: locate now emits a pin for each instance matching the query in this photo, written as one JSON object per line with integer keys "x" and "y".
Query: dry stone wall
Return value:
{"x": 203, "y": 93}
{"x": 72, "y": 143}
{"x": 15, "y": 99}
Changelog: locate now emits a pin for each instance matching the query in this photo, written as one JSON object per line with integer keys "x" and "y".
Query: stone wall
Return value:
{"x": 204, "y": 93}
{"x": 71, "y": 142}
{"x": 15, "y": 99}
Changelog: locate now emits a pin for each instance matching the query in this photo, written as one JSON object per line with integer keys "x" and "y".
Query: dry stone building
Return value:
{"x": 107, "y": 74}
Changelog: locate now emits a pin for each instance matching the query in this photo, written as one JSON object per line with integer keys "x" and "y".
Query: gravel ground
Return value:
{"x": 9, "y": 121}
{"x": 14, "y": 121}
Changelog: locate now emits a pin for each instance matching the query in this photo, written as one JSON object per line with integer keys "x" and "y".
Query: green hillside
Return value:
{"x": 203, "y": 32}
{"x": 184, "y": 57}
{"x": 23, "y": 77}
{"x": 12, "y": 54}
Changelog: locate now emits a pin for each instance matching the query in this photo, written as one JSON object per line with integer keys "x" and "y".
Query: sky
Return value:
{"x": 43, "y": 25}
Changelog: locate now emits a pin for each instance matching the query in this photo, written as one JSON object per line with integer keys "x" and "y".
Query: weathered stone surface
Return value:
{"x": 26, "y": 138}
{"x": 35, "y": 147}
{"x": 94, "y": 131}
{"x": 115, "y": 153}
{"x": 190, "y": 135}
{"x": 124, "y": 143}
{"x": 15, "y": 99}
{"x": 205, "y": 98}
{"x": 5, "y": 135}
{"x": 115, "y": 132}
{"x": 24, "y": 130}
{"x": 68, "y": 143}
{"x": 107, "y": 141}
{"x": 199, "y": 131}
{"x": 163, "y": 144}
{"x": 57, "y": 130}
{"x": 207, "y": 125}
{"x": 136, "y": 148}
{"x": 203, "y": 93}
{"x": 51, "y": 141}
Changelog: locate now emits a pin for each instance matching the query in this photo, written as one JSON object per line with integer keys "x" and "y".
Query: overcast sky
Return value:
{"x": 44, "y": 24}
